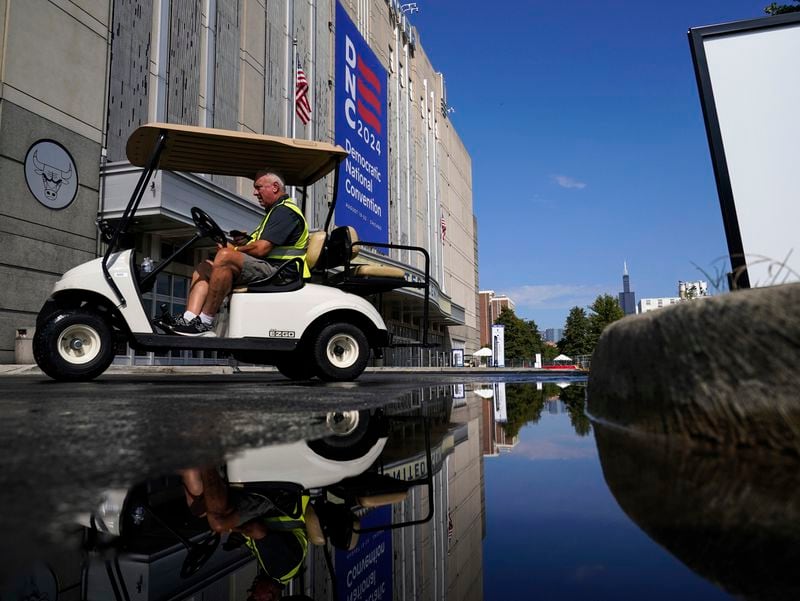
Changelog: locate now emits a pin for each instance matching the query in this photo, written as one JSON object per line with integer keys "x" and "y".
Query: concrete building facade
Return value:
{"x": 651, "y": 304}
{"x": 84, "y": 75}
{"x": 489, "y": 308}
{"x": 687, "y": 291}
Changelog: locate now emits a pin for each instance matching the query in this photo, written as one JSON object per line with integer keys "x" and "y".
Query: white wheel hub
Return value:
{"x": 79, "y": 344}
{"x": 342, "y": 350}
{"x": 342, "y": 423}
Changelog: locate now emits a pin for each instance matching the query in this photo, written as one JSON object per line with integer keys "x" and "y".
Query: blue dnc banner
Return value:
{"x": 365, "y": 573}
{"x": 363, "y": 194}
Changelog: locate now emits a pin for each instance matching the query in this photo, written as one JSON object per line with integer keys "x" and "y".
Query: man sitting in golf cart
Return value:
{"x": 281, "y": 235}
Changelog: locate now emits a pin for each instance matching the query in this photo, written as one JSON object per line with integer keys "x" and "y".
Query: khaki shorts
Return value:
{"x": 254, "y": 269}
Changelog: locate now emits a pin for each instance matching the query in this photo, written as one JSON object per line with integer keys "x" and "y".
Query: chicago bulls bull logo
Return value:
{"x": 50, "y": 174}
{"x": 52, "y": 178}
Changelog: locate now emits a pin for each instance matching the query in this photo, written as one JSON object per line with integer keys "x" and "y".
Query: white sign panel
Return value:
{"x": 498, "y": 345}
{"x": 750, "y": 85}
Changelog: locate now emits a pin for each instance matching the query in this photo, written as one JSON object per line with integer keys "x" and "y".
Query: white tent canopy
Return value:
{"x": 562, "y": 358}
{"x": 484, "y": 352}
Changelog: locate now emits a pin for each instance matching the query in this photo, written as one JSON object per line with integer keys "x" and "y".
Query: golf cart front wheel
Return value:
{"x": 341, "y": 352}
{"x": 74, "y": 345}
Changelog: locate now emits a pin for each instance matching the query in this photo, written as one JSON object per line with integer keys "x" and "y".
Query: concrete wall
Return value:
{"x": 53, "y": 87}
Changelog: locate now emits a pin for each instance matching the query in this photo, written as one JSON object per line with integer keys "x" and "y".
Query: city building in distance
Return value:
{"x": 553, "y": 334}
{"x": 627, "y": 298}
{"x": 686, "y": 291}
{"x": 489, "y": 308}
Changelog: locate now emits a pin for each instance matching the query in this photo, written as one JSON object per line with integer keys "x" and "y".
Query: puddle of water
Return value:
{"x": 502, "y": 490}
{"x": 553, "y": 526}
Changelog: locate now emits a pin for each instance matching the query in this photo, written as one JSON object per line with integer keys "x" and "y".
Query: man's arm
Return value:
{"x": 258, "y": 249}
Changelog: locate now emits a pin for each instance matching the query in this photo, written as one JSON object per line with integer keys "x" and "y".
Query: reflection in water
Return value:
{"x": 515, "y": 405}
{"x": 377, "y": 491}
{"x": 733, "y": 518}
{"x": 389, "y": 503}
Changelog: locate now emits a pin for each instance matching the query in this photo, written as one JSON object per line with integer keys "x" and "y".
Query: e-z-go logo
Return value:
{"x": 362, "y": 107}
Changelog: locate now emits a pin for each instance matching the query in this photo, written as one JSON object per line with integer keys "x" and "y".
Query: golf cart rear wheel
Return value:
{"x": 341, "y": 352}
{"x": 74, "y": 345}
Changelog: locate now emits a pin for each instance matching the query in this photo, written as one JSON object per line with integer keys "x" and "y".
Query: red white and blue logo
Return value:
{"x": 363, "y": 194}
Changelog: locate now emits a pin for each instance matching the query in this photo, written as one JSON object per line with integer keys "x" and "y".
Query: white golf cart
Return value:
{"x": 323, "y": 327}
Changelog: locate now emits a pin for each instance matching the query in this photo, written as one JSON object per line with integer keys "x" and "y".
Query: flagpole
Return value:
{"x": 293, "y": 93}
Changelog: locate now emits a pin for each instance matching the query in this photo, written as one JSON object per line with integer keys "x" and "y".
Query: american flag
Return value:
{"x": 444, "y": 227}
{"x": 301, "y": 105}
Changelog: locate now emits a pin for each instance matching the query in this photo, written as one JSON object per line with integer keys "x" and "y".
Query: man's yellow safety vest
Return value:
{"x": 284, "y": 253}
{"x": 296, "y": 524}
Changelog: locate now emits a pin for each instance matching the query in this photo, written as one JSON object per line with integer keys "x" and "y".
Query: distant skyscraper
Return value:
{"x": 627, "y": 299}
{"x": 553, "y": 334}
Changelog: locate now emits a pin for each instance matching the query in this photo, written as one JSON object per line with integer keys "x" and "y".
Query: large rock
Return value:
{"x": 722, "y": 371}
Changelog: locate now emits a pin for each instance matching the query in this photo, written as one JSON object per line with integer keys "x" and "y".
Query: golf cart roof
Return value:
{"x": 225, "y": 152}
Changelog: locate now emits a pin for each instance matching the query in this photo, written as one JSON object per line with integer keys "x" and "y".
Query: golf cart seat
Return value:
{"x": 342, "y": 247}
{"x": 274, "y": 283}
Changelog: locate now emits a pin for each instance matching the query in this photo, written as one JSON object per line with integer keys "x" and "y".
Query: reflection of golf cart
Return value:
{"x": 148, "y": 535}
{"x": 150, "y": 530}
{"x": 324, "y": 327}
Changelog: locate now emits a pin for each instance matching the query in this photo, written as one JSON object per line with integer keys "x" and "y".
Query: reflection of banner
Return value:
{"x": 366, "y": 571}
{"x": 363, "y": 194}
{"x": 500, "y": 413}
{"x": 498, "y": 344}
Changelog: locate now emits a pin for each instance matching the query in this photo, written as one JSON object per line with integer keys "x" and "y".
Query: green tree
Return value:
{"x": 522, "y": 339}
{"x": 574, "y": 398}
{"x": 779, "y": 9}
{"x": 605, "y": 310}
{"x": 524, "y": 405}
{"x": 576, "y": 334}
{"x": 549, "y": 352}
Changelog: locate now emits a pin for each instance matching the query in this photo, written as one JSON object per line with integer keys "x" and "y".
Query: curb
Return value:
{"x": 27, "y": 370}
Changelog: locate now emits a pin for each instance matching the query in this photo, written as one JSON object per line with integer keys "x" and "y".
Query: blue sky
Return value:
{"x": 587, "y": 140}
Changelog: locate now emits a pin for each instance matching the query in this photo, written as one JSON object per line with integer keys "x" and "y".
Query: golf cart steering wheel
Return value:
{"x": 208, "y": 227}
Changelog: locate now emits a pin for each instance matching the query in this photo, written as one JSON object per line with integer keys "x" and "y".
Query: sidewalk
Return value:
{"x": 19, "y": 370}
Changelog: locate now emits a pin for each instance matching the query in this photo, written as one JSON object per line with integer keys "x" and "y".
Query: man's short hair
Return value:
{"x": 274, "y": 173}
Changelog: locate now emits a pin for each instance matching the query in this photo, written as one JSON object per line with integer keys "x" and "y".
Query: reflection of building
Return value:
{"x": 494, "y": 439}
{"x": 442, "y": 558}
{"x": 490, "y": 307}
{"x": 627, "y": 298}
{"x": 66, "y": 78}
{"x": 467, "y": 508}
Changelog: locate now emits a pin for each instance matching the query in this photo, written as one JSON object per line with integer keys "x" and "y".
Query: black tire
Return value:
{"x": 355, "y": 442}
{"x": 296, "y": 368}
{"x": 73, "y": 345}
{"x": 340, "y": 352}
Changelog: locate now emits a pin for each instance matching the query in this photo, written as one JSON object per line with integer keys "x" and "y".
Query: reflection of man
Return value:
{"x": 281, "y": 235}
{"x": 277, "y": 540}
